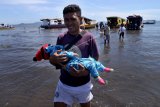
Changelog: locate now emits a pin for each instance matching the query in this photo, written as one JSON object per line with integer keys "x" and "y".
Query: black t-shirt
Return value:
{"x": 85, "y": 47}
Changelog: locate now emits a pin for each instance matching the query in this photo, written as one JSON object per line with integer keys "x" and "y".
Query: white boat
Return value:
{"x": 149, "y": 21}
{"x": 52, "y": 23}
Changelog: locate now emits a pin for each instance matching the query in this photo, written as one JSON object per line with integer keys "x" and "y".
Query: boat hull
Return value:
{"x": 53, "y": 26}
{"x": 149, "y": 22}
{"x": 6, "y": 28}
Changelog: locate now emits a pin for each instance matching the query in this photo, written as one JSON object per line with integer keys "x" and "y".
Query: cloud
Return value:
{"x": 25, "y": 2}
{"x": 35, "y": 8}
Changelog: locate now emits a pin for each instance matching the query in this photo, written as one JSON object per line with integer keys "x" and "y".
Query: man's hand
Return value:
{"x": 77, "y": 73}
{"x": 57, "y": 58}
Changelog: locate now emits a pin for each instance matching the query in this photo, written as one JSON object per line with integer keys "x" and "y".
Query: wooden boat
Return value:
{"x": 149, "y": 21}
{"x": 134, "y": 22}
{"x": 52, "y": 23}
{"x": 115, "y": 22}
{"x": 87, "y": 23}
{"x": 6, "y": 27}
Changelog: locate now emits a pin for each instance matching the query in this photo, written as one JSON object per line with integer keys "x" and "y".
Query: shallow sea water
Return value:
{"x": 136, "y": 60}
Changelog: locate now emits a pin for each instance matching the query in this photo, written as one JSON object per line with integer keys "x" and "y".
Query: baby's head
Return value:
{"x": 41, "y": 54}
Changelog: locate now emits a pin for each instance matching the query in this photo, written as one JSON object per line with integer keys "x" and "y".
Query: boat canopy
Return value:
{"x": 134, "y": 22}
{"x": 115, "y": 21}
{"x": 52, "y": 23}
{"x": 138, "y": 17}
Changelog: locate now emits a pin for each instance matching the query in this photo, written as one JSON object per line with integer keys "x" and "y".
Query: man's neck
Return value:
{"x": 81, "y": 32}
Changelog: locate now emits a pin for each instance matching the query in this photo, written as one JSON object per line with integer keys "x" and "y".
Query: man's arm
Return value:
{"x": 77, "y": 73}
{"x": 56, "y": 59}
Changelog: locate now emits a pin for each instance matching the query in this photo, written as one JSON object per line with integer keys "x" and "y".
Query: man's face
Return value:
{"x": 72, "y": 22}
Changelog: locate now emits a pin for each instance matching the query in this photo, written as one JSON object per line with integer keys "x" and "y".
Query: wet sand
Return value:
{"x": 135, "y": 82}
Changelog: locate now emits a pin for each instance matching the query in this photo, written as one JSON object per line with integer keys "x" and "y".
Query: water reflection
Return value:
{"x": 134, "y": 32}
{"x": 107, "y": 46}
{"x": 121, "y": 43}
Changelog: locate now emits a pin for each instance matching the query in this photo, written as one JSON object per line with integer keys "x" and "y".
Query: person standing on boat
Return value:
{"x": 106, "y": 34}
{"x": 74, "y": 86}
{"x": 121, "y": 31}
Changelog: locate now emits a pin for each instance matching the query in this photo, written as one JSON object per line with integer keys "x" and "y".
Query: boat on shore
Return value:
{"x": 115, "y": 21}
{"x": 149, "y": 21}
{"x": 6, "y": 27}
{"x": 87, "y": 23}
{"x": 134, "y": 22}
{"x": 52, "y": 23}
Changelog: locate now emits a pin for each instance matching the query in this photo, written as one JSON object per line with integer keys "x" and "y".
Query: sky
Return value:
{"x": 30, "y": 11}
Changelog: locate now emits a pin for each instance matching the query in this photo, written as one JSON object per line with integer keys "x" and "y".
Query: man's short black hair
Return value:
{"x": 72, "y": 8}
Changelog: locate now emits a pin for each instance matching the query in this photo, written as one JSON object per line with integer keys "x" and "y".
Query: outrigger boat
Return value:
{"x": 134, "y": 22}
{"x": 6, "y": 27}
{"x": 87, "y": 23}
{"x": 149, "y": 21}
{"x": 52, "y": 23}
{"x": 115, "y": 22}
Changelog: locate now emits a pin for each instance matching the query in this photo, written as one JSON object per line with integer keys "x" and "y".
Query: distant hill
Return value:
{"x": 36, "y": 24}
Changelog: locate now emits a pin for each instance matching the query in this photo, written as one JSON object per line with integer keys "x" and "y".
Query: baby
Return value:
{"x": 90, "y": 64}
